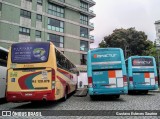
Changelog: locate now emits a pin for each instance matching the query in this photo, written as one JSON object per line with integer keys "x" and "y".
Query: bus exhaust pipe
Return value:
{"x": 44, "y": 99}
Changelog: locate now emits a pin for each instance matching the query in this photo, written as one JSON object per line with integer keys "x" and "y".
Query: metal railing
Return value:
{"x": 61, "y": 0}
{"x": 91, "y": 24}
{"x": 91, "y": 37}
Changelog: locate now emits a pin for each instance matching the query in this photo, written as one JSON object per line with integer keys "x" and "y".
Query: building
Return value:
{"x": 66, "y": 23}
{"x": 157, "y": 25}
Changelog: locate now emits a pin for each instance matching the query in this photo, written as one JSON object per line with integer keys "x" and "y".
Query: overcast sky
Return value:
{"x": 112, "y": 14}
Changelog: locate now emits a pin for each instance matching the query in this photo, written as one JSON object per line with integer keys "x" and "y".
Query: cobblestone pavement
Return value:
{"x": 125, "y": 102}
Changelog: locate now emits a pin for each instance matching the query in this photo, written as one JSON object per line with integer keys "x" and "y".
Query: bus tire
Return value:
{"x": 92, "y": 97}
{"x": 117, "y": 96}
{"x": 146, "y": 92}
{"x": 65, "y": 95}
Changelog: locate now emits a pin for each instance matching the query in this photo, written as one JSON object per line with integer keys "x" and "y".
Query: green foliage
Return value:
{"x": 131, "y": 41}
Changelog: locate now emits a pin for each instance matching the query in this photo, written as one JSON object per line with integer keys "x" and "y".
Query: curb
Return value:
{"x": 81, "y": 93}
{"x": 154, "y": 91}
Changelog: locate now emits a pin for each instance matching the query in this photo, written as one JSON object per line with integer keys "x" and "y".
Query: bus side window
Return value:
{"x": 3, "y": 58}
{"x": 3, "y": 63}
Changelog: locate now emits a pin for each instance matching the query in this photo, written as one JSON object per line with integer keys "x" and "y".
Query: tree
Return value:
{"x": 131, "y": 41}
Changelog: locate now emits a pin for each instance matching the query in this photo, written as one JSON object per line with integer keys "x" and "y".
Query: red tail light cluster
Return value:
{"x": 90, "y": 81}
{"x": 131, "y": 80}
{"x": 53, "y": 75}
{"x": 124, "y": 80}
{"x": 156, "y": 80}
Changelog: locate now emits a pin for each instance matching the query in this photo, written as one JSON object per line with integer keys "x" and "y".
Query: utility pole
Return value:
{"x": 126, "y": 47}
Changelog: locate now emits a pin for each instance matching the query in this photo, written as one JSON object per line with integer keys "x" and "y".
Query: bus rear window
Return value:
{"x": 30, "y": 52}
{"x": 142, "y": 62}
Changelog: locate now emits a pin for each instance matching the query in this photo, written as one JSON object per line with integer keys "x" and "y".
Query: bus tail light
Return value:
{"x": 90, "y": 82}
{"x": 156, "y": 80}
{"x": 53, "y": 78}
{"x": 131, "y": 80}
{"x": 125, "y": 80}
{"x": 53, "y": 75}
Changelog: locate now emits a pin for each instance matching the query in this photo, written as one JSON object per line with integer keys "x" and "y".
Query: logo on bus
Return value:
{"x": 135, "y": 62}
{"x": 104, "y": 56}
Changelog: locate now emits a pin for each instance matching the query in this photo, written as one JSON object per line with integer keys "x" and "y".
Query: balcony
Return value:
{"x": 91, "y": 24}
{"x": 90, "y": 2}
{"x": 91, "y": 38}
{"x": 61, "y": 0}
{"x": 89, "y": 13}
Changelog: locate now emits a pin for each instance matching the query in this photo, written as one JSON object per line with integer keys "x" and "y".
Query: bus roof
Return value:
{"x": 136, "y": 56}
{"x": 30, "y": 42}
{"x": 4, "y": 49}
{"x": 110, "y": 48}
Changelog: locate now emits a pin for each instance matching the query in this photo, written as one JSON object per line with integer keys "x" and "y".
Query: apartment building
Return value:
{"x": 157, "y": 25}
{"x": 66, "y": 23}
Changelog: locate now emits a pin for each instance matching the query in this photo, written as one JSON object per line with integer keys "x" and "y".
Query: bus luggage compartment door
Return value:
{"x": 143, "y": 79}
{"x": 107, "y": 79}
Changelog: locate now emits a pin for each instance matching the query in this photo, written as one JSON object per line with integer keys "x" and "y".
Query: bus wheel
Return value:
{"x": 65, "y": 95}
{"x": 92, "y": 97}
{"x": 146, "y": 92}
{"x": 117, "y": 96}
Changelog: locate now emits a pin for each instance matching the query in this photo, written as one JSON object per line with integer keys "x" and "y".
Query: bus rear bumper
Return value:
{"x": 30, "y": 96}
{"x": 107, "y": 91}
{"x": 153, "y": 87}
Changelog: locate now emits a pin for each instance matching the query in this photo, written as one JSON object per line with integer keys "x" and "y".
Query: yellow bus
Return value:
{"x": 38, "y": 71}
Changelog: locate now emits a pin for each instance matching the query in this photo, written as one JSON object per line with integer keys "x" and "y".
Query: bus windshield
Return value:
{"x": 142, "y": 62}
{"x": 30, "y": 52}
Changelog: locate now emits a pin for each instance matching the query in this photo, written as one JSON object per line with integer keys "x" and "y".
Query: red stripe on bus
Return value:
{"x": 64, "y": 83}
{"x": 68, "y": 75}
{"x": 22, "y": 80}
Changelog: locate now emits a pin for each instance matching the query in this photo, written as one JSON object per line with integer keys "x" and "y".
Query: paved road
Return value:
{"x": 125, "y": 102}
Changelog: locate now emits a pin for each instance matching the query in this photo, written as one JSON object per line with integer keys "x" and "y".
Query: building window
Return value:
{"x": 61, "y": 0}
{"x": 84, "y": 46}
{"x": 83, "y": 32}
{"x": 25, "y": 13}
{"x": 24, "y": 31}
{"x": 0, "y": 6}
{"x": 57, "y": 40}
{"x": 38, "y": 34}
{"x": 83, "y": 59}
{"x": 29, "y": 0}
{"x": 39, "y": 17}
{"x": 84, "y": 6}
{"x": 158, "y": 30}
{"x": 84, "y": 19}
{"x": 55, "y": 25}
{"x": 40, "y": 2}
{"x": 55, "y": 10}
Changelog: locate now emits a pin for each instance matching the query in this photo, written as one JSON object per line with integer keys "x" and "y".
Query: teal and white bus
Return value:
{"x": 106, "y": 72}
{"x": 141, "y": 73}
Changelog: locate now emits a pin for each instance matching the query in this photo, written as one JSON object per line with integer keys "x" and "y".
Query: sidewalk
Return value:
{"x": 155, "y": 91}
{"x": 81, "y": 92}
